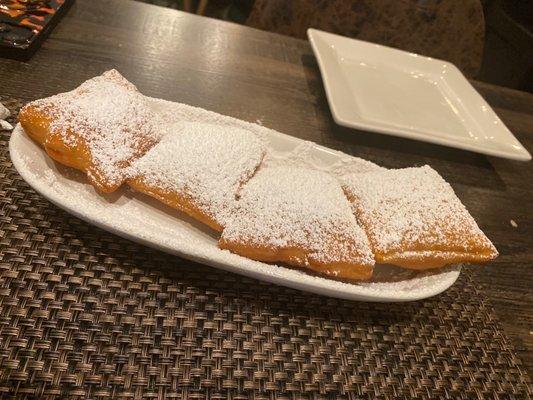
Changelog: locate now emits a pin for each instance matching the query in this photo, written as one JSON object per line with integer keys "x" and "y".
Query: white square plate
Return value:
{"x": 385, "y": 90}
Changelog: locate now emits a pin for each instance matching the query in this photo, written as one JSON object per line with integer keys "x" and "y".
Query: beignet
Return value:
{"x": 300, "y": 217}
{"x": 198, "y": 168}
{"x": 99, "y": 128}
{"x": 413, "y": 219}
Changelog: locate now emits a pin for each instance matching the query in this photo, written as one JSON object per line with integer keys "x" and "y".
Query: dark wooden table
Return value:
{"x": 274, "y": 80}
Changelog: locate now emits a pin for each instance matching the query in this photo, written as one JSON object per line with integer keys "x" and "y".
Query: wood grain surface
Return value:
{"x": 274, "y": 80}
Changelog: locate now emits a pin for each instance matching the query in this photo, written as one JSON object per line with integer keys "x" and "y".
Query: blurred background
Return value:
{"x": 489, "y": 40}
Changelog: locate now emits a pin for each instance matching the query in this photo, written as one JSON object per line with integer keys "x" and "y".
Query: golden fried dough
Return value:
{"x": 300, "y": 217}
{"x": 99, "y": 128}
{"x": 413, "y": 219}
{"x": 198, "y": 168}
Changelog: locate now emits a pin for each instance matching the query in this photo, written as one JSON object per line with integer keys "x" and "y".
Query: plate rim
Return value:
{"x": 353, "y": 121}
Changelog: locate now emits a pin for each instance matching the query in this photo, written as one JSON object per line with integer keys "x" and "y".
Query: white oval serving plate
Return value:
{"x": 148, "y": 222}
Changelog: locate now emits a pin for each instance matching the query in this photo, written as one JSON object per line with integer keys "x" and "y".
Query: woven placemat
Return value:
{"x": 86, "y": 314}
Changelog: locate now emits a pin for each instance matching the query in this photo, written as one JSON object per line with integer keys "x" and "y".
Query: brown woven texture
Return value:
{"x": 85, "y": 314}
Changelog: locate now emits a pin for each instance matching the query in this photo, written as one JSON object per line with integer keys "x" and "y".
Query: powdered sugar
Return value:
{"x": 109, "y": 116}
{"x": 284, "y": 207}
{"x": 145, "y": 223}
{"x": 405, "y": 208}
{"x": 333, "y": 162}
{"x": 203, "y": 161}
{"x": 353, "y": 165}
{"x": 299, "y": 156}
{"x": 171, "y": 113}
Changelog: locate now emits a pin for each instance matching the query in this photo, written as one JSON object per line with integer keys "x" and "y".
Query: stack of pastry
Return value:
{"x": 338, "y": 226}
